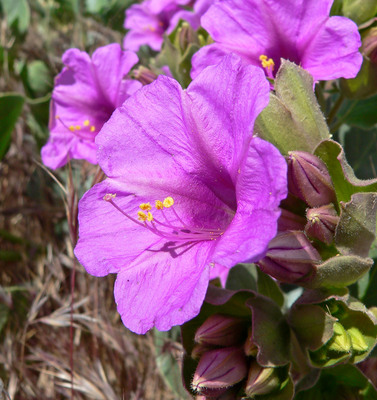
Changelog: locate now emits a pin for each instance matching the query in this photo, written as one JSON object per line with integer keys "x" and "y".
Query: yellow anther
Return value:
{"x": 267, "y": 62}
{"x": 86, "y": 122}
{"x": 92, "y": 128}
{"x": 168, "y": 202}
{"x": 71, "y": 128}
{"x": 145, "y": 206}
{"x": 159, "y": 205}
{"x": 149, "y": 216}
{"x": 78, "y": 127}
{"x": 141, "y": 216}
{"x": 109, "y": 196}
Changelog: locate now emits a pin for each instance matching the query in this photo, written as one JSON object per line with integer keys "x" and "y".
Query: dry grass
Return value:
{"x": 62, "y": 337}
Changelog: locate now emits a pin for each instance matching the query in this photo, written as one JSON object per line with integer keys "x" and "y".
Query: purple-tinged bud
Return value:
{"x": 322, "y": 222}
{"x": 144, "y": 75}
{"x": 199, "y": 349}
{"x": 290, "y": 257}
{"x": 221, "y": 330}
{"x": 309, "y": 179}
{"x": 250, "y": 348}
{"x": 369, "y": 46}
{"x": 261, "y": 380}
{"x": 186, "y": 36}
{"x": 218, "y": 370}
{"x": 288, "y": 221}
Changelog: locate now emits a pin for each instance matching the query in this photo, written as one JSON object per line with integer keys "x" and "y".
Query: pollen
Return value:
{"x": 71, "y": 128}
{"x": 141, "y": 216}
{"x": 109, "y": 196}
{"x": 168, "y": 202}
{"x": 92, "y": 128}
{"x": 267, "y": 63}
{"x": 86, "y": 122}
{"x": 149, "y": 216}
{"x": 159, "y": 205}
{"x": 145, "y": 206}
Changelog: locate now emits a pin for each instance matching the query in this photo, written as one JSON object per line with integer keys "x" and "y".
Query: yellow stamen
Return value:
{"x": 86, "y": 122}
{"x": 92, "y": 128}
{"x": 267, "y": 62}
{"x": 141, "y": 216}
{"x": 159, "y": 205}
{"x": 78, "y": 127}
{"x": 145, "y": 206}
{"x": 149, "y": 216}
{"x": 168, "y": 202}
{"x": 71, "y": 128}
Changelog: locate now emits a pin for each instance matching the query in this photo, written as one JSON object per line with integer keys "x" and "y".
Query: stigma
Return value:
{"x": 165, "y": 221}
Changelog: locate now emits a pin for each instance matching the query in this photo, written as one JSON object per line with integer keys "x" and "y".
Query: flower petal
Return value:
{"x": 262, "y": 184}
{"x": 162, "y": 291}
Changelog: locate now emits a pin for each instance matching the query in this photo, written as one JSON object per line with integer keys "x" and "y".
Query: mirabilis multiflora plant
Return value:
{"x": 236, "y": 169}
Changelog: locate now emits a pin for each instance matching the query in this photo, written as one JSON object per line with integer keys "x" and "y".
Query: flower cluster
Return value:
{"x": 222, "y": 182}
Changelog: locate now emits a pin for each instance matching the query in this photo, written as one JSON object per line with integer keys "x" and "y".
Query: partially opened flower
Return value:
{"x": 188, "y": 188}
{"x": 264, "y": 31}
{"x": 86, "y": 93}
{"x": 147, "y": 22}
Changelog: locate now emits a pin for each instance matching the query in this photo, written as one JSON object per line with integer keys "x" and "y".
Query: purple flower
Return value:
{"x": 188, "y": 188}
{"x": 147, "y": 22}
{"x": 264, "y": 31}
{"x": 86, "y": 93}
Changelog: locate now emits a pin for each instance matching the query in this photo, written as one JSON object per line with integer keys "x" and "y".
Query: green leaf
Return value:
{"x": 10, "y": 109}
{"x": 17, "y": 11}
{"x": 312, "y": 325}
{"x": 242, "y": 276}
{"x": 342, "y": 175}
{"x": 95, "y": 6}
{"x": 293, "y": 119}
{"x": 356, "y": 229}
{"x": 39, "y": 77}
{"x": 167, "y": 360}
{"x": 270, "y": 332}
{"x": 340, "y": 271}
{"x": 268, "y": 287}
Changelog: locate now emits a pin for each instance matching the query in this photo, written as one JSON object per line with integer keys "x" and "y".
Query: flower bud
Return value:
{"x": 261, "y": 380}
{"x": 218, "y": 370}
{"x": 199, "y": 349}
{"x": 144, "y": 75}
{"x": 369, "y": 46}
{"x": 186, "y": 36}
{"x": 288, "y": 221}
{"x": 337, "y": 349}
{"x": 322, "y": 222}
{"x": 359, "y": 345}
{"x": 290, "y": 257}
{"x": 221, "y": 330}
{"x": 309, "y": 179}
{"x": 250, "y": 348}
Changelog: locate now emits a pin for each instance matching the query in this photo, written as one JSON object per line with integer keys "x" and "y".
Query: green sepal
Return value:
{"x": 293, "y": 119}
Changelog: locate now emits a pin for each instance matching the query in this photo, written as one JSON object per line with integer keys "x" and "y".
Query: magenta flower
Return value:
{"x": 188, "y": 188}
{"x": 264, "y": 31}
{"x": 86, "y": 93}
{"x": 149, "y": 21}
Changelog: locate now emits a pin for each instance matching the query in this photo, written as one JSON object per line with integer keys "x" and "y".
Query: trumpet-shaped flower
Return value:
{"x": 147, "y": 22}
{"x": 189, "y": 188}
{"x": 264, "y": 31}
{"x": 86, "y": 93}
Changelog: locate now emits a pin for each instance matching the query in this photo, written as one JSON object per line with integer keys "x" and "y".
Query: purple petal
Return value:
{"x": 261, "y": 186}
{"x": 333, "y": 52}
{"x": 161, "y": 291}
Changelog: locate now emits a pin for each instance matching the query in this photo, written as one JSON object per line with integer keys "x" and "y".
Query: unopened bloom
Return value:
{"x": 214, "y": 192}
{"x": 86, "y": 93}
{"x": 264, "y": 31}
{"x": 149, "y": 21}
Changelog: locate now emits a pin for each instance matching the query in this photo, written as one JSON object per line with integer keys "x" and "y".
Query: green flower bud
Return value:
{"x": 261, "y": 380}
{"x": 359, "y": 345}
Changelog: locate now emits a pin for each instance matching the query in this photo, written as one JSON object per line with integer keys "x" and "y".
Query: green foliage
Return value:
{"x": 10, "y": 109}
{"x": 17, "y": 13}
